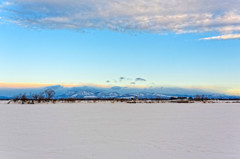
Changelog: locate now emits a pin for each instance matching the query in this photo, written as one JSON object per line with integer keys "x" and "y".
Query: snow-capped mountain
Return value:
{"x": 115, "y": 92}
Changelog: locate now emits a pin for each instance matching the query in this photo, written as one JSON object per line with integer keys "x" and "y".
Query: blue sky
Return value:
{"x": 51, "y": 52}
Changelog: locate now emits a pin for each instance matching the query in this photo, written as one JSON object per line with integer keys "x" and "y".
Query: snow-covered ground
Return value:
{"x": 120, "y": 131}
{"x": 4, "y": 101}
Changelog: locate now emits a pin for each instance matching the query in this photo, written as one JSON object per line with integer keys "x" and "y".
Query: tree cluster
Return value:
{"x": 44, "y": 96}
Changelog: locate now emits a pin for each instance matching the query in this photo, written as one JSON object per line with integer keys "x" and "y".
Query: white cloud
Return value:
{"x": 159, "y": 16}
{"x": 5, "y": 3}
{"x": 223, "y": 37}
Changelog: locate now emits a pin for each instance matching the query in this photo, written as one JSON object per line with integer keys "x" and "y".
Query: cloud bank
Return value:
{"x": 157, "y": 16}
{"x": 223, "y": 37}
{"x": 124, "y": 80}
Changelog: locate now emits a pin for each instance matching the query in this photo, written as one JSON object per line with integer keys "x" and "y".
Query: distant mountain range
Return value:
{"x": 115, "y": 92}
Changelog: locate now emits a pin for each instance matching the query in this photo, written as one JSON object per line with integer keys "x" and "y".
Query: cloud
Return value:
{"x": 158, "y": 16}
{"x": 5, "y": 4}
{"x": 121, "y": 78}
{"x": 223, "y": 37}
{"x": 140, "y": 80}
{"x": 108, "y": 81}
{"x": 133, "y": 83}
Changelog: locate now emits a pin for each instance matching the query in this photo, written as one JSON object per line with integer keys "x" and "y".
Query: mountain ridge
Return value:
{"x": 115, "y": 92}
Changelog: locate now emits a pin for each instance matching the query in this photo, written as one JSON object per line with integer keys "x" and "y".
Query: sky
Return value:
{"x": 137, "y": 43}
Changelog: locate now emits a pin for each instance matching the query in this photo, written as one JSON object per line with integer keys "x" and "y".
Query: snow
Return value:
{"x": 4, "y": 101}
{"x": 120, "y": 131}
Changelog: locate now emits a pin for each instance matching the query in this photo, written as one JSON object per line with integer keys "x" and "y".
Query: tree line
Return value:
{"x": 44, "y": 96}
{"x": 48, "y": 96}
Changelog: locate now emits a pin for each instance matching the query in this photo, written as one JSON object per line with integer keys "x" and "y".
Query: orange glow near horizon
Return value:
{"x": 38, "y": 85}
{"x": 233, "y": 92}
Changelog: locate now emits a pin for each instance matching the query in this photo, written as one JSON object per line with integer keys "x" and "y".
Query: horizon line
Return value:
{"x": 5, "y": 85}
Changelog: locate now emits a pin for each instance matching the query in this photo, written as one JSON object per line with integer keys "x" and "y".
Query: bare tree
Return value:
{"x": 23, "y": 98}
{"x": 49, "y": 93}
{"x": 16, "y": 98}
{"x": 34, "y": 97}
{"x": 41, "y": 97}
{"x": 197, "y": 97}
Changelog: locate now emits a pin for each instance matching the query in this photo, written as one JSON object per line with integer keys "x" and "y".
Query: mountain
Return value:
{"x": 3, "y": 97}
{"x": 115, "y": 92}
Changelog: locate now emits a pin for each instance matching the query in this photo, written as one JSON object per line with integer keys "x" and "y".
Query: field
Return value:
{"x": 120, "y": 131}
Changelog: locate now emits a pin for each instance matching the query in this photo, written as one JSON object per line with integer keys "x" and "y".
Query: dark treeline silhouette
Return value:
{"x": 45, "y": 96}
{"x": 48, "y": 96}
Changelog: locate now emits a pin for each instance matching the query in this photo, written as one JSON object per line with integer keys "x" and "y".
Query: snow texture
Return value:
{"x": 120, "y": 131}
